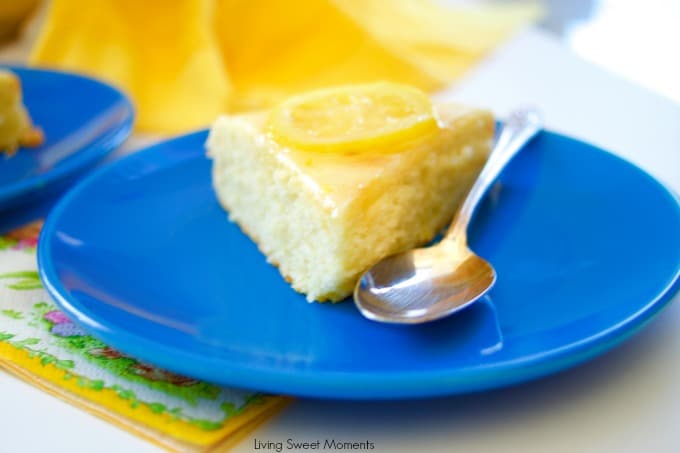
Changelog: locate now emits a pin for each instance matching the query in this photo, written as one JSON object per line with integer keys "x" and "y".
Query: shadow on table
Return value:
{"x": 16, "y": 217}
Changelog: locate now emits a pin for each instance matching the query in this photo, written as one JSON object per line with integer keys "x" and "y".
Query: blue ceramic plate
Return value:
{"x": 587, "y": 249}
{"x": 83, "y": 120}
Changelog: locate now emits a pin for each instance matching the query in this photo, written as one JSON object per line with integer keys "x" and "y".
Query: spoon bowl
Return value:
{"x": 425, "y": 284}
{"x": 392, "y": 292}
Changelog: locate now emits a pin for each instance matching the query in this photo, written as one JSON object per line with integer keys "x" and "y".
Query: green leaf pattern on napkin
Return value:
{"x": 22, "y": 280}
{"x": 30, "y": 323}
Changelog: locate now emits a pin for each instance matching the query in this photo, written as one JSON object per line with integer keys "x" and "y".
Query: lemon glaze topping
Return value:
{"x": 335, "y": 177}
{"x": 335, "y": 173}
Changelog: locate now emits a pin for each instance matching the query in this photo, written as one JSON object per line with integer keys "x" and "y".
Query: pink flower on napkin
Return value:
{"x": 62, "y": 325}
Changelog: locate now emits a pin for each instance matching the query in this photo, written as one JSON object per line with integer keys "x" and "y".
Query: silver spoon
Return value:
{"x": 425, "y": 284}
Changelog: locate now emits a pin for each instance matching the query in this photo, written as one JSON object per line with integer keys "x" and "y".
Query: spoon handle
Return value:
{"x": 519, "y": 128}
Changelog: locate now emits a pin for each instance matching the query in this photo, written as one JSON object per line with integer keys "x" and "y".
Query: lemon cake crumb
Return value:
{"x": 325, "y": 217}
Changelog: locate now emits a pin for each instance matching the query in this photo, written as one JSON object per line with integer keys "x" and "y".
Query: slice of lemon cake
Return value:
{"x": 331, "y": 181}
{"x": 16, "y": 128}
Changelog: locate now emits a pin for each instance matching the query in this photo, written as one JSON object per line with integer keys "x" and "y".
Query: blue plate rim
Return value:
{"x": 345, "y": 385}
{"x": 83, "y": 158}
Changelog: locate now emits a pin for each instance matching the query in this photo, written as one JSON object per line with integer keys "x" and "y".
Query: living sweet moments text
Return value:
{"x": 319, "y": 444}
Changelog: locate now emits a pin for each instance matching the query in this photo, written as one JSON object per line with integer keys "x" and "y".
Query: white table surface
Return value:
{"x": 625, "y": 401}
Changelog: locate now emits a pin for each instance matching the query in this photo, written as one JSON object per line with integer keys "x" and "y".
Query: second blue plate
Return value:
{"x": 83, "y": 120}
{"x": 587, "y": 249}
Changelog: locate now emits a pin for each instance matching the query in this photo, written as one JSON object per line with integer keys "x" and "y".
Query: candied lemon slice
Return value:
{"x": 352, "y": 118}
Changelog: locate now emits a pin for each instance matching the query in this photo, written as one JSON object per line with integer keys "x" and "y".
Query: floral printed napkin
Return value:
{"x": 40, "y": 344}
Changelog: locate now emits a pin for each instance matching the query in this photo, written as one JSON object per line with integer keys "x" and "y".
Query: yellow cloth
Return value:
{"x": 186, "y": 61}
